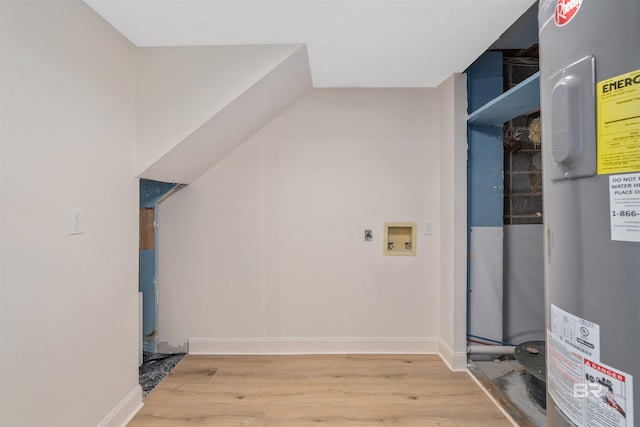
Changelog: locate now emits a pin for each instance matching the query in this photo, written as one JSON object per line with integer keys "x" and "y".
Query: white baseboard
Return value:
{"x": 410, "y": 345}
{"x": 125, "y": 411}
{"x": 455, "y": 361}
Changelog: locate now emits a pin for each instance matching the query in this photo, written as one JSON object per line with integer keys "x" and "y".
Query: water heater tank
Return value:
{"x": 590, "y": 109}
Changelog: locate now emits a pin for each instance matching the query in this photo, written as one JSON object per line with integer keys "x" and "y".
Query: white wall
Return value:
{"x": 69, "y": 303}
{"x": 181, "y": 88}
{"x": 269, "y": 242}
{"x": 453, "y": 211}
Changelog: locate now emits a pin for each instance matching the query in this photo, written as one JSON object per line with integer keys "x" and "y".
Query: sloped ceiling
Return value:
{"x": 195, "y": 105}
{"x": 213, "y": 72}
{"x": 351, "y": 43}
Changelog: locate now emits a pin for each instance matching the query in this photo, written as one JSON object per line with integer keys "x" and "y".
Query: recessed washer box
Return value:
{"x": 400, "y": 238}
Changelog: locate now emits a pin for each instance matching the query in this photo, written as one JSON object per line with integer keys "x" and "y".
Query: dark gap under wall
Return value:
{"x": 155, "y": 367}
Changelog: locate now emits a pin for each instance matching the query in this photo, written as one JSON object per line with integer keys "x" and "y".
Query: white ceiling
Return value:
{"x": 351, "y": 43}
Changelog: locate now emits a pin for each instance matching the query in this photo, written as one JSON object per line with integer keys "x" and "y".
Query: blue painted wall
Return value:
{"x": 486, "y": 172}
{"x": 485, "y": 167}
{"x": 149, "y": 291}
{"x": 486, "y": 158}
{"x": 484, "y": 80}
{"x": 152, "y": 191}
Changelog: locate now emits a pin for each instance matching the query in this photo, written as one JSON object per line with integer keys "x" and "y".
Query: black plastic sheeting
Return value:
{"x": 156, "y": 366}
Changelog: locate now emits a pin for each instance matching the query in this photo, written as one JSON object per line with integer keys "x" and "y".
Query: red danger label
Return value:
{"x": 603, "y": 370}
{"x": 566, "y": 10}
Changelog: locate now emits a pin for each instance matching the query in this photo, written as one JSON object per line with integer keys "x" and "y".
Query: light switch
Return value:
{"x": 428, "y": 228}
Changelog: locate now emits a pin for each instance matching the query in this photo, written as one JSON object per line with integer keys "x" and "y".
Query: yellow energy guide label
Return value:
{"x": 618, "y": 102}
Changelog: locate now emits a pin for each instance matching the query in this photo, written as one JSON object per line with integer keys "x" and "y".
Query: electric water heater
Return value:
{"x": 590, "y": 109}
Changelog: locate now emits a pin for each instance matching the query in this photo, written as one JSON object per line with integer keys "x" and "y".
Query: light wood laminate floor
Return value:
{"x": 323, "y": 390}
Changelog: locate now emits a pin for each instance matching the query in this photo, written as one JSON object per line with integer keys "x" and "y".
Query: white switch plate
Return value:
{"x": 428, "y": 228}
{"x": 76, "y": 221}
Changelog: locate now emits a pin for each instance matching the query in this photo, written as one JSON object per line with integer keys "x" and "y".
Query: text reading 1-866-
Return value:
{"x": 625, "y": 213}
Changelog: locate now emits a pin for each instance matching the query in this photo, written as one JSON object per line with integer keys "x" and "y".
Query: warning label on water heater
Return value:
{"x": 580, "y": 334}
{"x": 624, "y": 207}
{"x": 588, "y": 392}
{"x": 618, "y": 102}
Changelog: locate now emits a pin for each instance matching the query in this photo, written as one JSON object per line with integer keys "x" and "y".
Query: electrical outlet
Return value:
{"x": 76, "y": 225}
{"x": 368, "y": 235}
